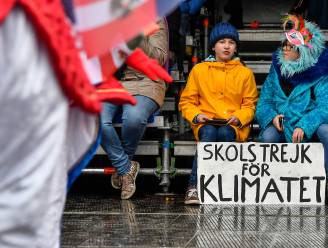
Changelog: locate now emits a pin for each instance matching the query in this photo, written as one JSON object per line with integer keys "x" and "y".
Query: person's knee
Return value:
{"x": 135, "y": 120}
{"x": 226, "y": 133}
{"x": 322, "y": 133}
{"x": 207, "y": 133}
{"x": 269, "y": 137}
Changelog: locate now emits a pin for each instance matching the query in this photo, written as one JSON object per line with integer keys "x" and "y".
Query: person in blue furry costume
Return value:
{"x": 293, "y": 105}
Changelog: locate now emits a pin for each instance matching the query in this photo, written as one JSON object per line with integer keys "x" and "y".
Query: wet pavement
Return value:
{"x": 101, "y": 219}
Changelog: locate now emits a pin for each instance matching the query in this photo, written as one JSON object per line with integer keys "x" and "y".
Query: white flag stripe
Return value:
{"x": 99, "y": 12}
{"x": 102, "y": 13}
{"x": 117, "y": 59}
{"x": 92, "y": 68}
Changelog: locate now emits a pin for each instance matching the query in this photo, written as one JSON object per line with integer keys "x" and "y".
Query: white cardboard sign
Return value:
{"x": 261, "y": 173}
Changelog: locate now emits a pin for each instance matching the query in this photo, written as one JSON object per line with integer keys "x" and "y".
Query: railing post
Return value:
{"x": 166, "y": 157}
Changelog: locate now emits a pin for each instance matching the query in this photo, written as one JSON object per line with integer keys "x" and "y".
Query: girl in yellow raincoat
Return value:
{"x": 220, "y": 97}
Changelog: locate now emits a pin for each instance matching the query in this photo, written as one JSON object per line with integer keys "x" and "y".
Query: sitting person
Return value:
{"x": 293, "y": 102}
{"x": 221, "y": 87}
{"x": 150, "y": 96}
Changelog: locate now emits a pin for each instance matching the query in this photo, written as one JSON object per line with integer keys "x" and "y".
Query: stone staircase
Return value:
{"x": 256, "y": 49}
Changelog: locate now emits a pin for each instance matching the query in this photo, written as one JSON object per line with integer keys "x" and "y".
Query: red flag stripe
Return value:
{"x": 79, "y": 3}
{"x": 107, "y": 66}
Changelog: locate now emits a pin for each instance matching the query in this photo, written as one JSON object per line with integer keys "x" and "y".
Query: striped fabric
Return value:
{"x": 105, "y": 25}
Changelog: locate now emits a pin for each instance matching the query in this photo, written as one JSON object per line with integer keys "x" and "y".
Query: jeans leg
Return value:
{"x": 322, "y": 133}
{"x": 134, "y": 124}
{"x": 206, "y": 133}
{"x": 272, "y": 135}
{"x": 111, "y": 142}
{"x": 226, "y": 134}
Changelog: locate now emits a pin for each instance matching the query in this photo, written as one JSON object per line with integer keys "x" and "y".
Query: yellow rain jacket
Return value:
{"x": 220, "y": 90}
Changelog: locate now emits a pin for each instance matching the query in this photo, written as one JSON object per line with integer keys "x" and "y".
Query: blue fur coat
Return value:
{"x": 299, "y": 108}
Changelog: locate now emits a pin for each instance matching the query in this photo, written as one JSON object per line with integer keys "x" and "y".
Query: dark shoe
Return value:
{"x": 129, "y": 181}
{"x": 116, "y": 181}
{"x": 192, "y": 197}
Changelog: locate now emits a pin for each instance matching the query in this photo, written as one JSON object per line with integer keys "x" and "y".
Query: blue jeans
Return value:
{"x": 134, "y": 121}
{"x": 209, "y": 133}
{"x": 272, "y": 135}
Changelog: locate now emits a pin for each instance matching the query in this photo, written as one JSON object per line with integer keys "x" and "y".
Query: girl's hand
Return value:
{"x": 276, "y": 123}
{"x": 201, "y": 118}
{"x": 233, "y": 120}
{"x": 298, "y": 135}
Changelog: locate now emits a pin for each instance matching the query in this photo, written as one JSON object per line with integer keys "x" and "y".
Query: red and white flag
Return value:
{"x": 104, "y": 24}
{"x": 100, "y": 68}
{"x": 104, "y": 27}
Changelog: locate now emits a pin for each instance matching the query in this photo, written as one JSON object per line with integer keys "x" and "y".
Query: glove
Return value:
{"x": 139, "y": 61}
{"x": 112, "y": 91}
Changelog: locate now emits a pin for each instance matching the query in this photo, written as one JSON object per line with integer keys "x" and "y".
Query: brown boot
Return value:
{"x": 116, "y": 181}
{"x": 129, "y": 181}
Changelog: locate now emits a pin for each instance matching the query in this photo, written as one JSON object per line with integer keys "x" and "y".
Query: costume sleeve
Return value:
{"x": 5, "y": 8}
{"x": 319, "y": 115}
{"x": 156, "y": 45}
{"x": 189, "y": 99}
{"x": 265, "y": 109}
{"x": 246, "y": 112}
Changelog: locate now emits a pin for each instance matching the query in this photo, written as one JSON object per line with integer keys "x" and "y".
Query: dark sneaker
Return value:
{"x": 116, "y": 181}
{"x": 192, "y": 197}
{"x": 129, "y": 181}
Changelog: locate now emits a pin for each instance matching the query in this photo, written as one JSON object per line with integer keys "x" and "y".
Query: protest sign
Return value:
{"x": 261, "y": 173}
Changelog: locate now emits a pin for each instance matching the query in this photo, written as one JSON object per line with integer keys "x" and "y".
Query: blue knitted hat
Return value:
{"x": 223, "y": 30}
